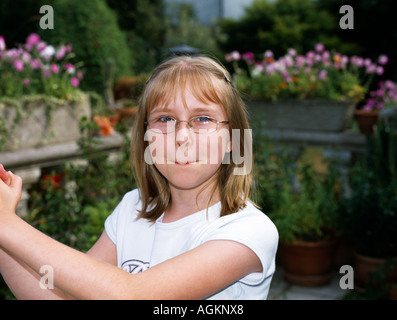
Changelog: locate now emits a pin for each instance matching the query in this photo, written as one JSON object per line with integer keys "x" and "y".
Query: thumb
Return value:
{"x": 15, "y": 182}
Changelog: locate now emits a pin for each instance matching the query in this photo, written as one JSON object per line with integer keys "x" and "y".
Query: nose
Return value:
{"x": 182, "y": 132}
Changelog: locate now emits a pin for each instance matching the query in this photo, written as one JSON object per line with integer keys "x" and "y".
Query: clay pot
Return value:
{"x": 363, "y": 265}
{"x": 366, "y": 120}
{"x": 308, "y": 264}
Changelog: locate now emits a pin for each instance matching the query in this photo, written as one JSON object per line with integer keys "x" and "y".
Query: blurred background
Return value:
{"x": 329, "y": 185}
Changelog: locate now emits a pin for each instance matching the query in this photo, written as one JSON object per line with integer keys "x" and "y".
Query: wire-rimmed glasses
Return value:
{"x": 201, "y": 124}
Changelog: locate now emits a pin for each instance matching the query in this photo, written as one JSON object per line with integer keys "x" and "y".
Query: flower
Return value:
{"x": 319, "y": 73}
{"x": 18, "y": 64}
{"x": 106, "y": 128}
{"x": 2, "y": 43}
{"x": 383, "y": 59}
{"x": 54, "y": 68}
{"x": 384, "y": 96}
{"x": 53, "y": 181}
{"x": 75, "y": 82}
{"x": 36, "y": 67}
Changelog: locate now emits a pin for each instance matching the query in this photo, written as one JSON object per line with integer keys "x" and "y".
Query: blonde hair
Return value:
{"x": 169, "y": 79}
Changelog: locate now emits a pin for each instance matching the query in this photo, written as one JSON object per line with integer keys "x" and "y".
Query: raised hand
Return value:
{"x": 4, "y": 175}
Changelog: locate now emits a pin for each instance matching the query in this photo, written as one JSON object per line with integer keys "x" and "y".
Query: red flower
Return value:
{"x": 104, "y": 124}
{"x": 53, "y": 179}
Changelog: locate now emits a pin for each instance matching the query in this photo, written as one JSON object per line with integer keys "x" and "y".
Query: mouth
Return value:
{"x": 185, "y": 163}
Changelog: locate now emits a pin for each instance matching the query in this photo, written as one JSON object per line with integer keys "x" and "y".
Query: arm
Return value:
{"x": 23, "y": 281}
{"x": 192, "y": 275}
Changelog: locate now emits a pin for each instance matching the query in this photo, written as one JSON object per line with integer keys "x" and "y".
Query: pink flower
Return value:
{"x": 322, "y": 74}
{"x": 69, "y": 68}
{"x": 60, "y": 53}
{"x": 68, "y": 48}
{"x": 46, "y": 73}
{"x": 80, "y": 74}
{"x": 235, "y": 55}
{"x": 383, "y": 59}
{"x": 26, "y": 82}
{"x": 249, "y": 57}
{"x": 268, "y": 54}
{"x": 18, "y": 64}
{"x": 54, "y": 68}
{"x": 35, "y": 64}
{"x": 379, "y": 70}
{"x": 33, "y": 39}
{"x": 41, "y": 46}
{"x": 319, "y": 47}
{"x": 2, "y": 43}
{"x": 75, "y": 82}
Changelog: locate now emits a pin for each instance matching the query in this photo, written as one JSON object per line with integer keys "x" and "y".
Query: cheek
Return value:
{"x": 212, "y": 148}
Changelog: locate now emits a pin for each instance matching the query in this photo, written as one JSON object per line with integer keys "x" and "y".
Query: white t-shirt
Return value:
{"x": 142, "y": 244}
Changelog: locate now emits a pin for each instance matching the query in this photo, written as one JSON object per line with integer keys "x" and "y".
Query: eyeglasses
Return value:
{"x": 197, "y": 124}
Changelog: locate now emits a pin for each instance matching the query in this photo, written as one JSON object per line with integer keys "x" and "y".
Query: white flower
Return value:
{"x": 48, "y": 52}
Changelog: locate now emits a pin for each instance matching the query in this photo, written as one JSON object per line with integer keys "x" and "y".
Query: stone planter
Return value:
{"x": 304, "y": 115}
{"x": 42, "y": 122}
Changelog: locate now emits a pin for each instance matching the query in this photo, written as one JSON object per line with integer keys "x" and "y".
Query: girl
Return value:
{"x": 188, "y": 232}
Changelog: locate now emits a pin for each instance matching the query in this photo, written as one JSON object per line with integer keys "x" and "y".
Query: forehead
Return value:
{"x": 186, "y": 101}
{"x": 190, "y": 88}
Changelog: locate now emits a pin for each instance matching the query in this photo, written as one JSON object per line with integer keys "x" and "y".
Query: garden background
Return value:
{"x": 70, "y": 202}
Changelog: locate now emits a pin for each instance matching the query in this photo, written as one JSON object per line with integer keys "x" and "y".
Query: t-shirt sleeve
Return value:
{"x": 256, "y": 231}
{"x": 111, "y": 223}
{"x": 119, "y": 215}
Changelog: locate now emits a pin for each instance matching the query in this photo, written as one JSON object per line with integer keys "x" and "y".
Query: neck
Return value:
{"x": 186, "y": 202}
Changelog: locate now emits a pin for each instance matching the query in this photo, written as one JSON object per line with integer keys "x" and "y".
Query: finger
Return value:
{"x": 15, "y": 181}
{"x": 4, "y": 175}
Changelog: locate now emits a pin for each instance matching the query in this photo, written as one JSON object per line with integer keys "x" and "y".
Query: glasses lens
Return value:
{"x": 163, "y": 124}
{"x": 203, "y": 124}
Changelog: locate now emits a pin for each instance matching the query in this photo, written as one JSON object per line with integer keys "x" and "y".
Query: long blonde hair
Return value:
{"x": 167, "y": 80}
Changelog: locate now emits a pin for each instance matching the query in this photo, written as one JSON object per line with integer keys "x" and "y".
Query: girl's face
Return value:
{"x": 185, "y": 158}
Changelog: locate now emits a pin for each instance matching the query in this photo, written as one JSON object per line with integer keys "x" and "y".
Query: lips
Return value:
{"x": 184, "y": 163}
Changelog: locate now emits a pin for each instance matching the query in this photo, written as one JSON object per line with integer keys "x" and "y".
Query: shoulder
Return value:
{"x": 126, "y": 210}
{"x": 248, "y": 224}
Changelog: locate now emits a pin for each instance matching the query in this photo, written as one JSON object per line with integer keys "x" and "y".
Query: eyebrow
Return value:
{"x": 191, "y": 109}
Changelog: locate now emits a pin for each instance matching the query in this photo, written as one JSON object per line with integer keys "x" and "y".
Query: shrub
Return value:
{"x": 91, "y": 26}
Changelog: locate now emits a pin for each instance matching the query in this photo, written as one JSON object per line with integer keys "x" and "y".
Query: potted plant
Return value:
{"x": 305, "y": 222}
{"x": 317, "y": 91}
{"x": 368, "y": 218}
{"x": 40, "y": 98}
{"x": 380, "y": 99}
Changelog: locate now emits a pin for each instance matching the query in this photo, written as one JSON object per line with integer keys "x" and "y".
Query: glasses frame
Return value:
{"x": 189, "y": 125}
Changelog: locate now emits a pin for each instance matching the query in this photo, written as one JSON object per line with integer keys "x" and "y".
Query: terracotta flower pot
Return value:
{"x": 308, "y": 263}
{"x": 366, "y": 120}
{"x": 364, "y": 265}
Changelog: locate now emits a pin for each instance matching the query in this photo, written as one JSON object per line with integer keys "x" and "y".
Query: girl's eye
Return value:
{"x": 202, "y": 119}
{"x": 165, "y": 119}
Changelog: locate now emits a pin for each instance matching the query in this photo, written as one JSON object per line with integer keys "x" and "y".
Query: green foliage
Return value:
{"x": 183, "y": 27}
{"x": 300, "y": 201}
{"x": 308, "y": 214}
{"x": 143, "y": 22}
{"x": 369, "y": 215}
{"x": 71, "y": 203}
{"x": 278, "y": 25}
{"x": 91, "y": 27}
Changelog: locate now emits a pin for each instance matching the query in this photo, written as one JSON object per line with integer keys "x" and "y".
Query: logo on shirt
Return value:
{"x": 134, "y": 266}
